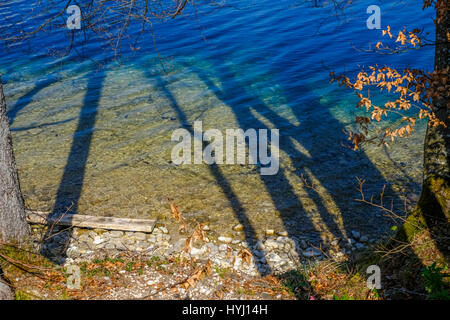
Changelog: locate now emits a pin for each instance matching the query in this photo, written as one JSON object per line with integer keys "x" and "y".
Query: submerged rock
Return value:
{"x": 356, "y": 235}
{"x": 364, "y": 239}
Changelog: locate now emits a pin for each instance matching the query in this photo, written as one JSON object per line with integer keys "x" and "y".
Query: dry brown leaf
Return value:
{"x": 174, "y": 210}
{"x": 198, "y": 275}
{"x": 200, "y": 234}
{"x": 183, "y": 228}
{"x": 188, "y": 244}
{"x": 245, "y": 255}
{"x": 228, "y": 252}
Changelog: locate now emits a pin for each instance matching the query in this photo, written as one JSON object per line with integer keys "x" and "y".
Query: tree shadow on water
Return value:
{"x": 70, "y": 187}
{"x": 329, "y": 167}
{"x": 236, "y": 205}
{"x": 294, "y": 213}
{"x": 24, "y": 100}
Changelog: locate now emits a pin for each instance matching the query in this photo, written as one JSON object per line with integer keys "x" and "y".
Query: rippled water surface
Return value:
{"x": 99, "y": 138}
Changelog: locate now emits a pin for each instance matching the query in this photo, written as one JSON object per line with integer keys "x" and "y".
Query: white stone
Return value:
{"x": 259, "y": 245}
{"x": 271, "y": 243}
{"x": 84, "y": 238}
{"x": 225, "y": 239}
{"x": 119, "y": 244}
{"x": 283, "y": 233}
{"x": 198, "y": 252}
{"x": 283, "y": 239}
{"x": 280, "y": 264}
{"x": 164, "y": 230}
{"x": 273, "y": 257}
{"x": 139, "y": 236}
{"x": 223, "y": 247}
{"x": 213, "y": 249}
{"x": 116, "y": 234}
{"x": 92, "y": 234}
{"x": 98, "y": 240}
{"x": 72, "y": 252}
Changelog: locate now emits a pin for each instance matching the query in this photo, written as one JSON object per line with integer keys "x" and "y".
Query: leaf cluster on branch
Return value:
{"x": 412, "y": 89}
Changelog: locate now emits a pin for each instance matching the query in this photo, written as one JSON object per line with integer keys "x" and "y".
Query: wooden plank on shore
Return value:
{"x": 94, "y": 222}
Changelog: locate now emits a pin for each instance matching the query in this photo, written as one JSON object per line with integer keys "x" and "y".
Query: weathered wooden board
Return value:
{"x": 84, "y": 221}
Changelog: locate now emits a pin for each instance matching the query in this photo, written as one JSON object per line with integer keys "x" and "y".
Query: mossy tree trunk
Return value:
{"x": 13, "y": 225}
{"x": 432, "y": 210}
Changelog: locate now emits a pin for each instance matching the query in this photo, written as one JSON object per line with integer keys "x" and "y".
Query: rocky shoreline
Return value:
{"x": 276, "y": 253}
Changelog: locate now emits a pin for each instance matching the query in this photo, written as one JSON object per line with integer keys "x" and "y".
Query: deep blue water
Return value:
{"x": 289, "y": 38}
{"x": 100, "y": 136}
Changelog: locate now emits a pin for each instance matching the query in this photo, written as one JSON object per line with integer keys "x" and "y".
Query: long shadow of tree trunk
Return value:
{"x": 294, "y": 217}
{"x": 238, "y": 209}
{"x": 71, "y": 185}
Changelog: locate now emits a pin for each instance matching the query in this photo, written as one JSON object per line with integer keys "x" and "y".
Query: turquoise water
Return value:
{"x": 93, "y": 133}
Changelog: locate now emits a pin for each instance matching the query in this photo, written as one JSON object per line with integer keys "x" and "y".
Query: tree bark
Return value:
{"x": 433, "y": 207}
{"x": 13, "y": 225}
{"x": 5, "y": 291}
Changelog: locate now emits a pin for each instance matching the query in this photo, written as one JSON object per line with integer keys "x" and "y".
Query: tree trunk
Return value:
{"x": 13, "y": 225}
{"x": 5, "y": 291}
{"x": 434, "y": 204}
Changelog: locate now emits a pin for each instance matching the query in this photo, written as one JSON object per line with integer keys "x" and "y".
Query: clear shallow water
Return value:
{"x": 99, "y": 137}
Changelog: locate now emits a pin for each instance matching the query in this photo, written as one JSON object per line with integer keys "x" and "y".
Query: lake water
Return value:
{"x": 99, "y": 137}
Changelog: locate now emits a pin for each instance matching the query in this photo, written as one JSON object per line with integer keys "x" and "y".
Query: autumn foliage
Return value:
{"x": 411, "y": 93}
